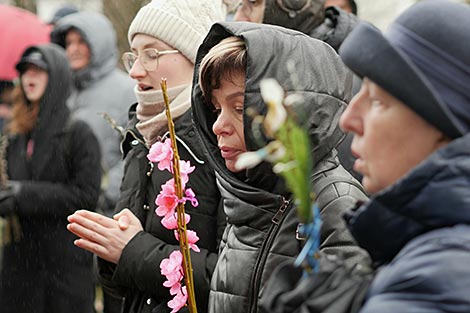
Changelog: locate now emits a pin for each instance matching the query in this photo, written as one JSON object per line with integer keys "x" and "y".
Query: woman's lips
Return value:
{"x": 30, "y": 87}
{"x": 229, "y": 153}
{"x": 143, "y": 87}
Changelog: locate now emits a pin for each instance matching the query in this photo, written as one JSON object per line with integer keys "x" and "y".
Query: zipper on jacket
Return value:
{"x": 262, "y": 256}
{"x": 280, "y": 213}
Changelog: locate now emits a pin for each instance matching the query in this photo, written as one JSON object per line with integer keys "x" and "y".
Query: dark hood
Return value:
{"x": 335, "y": 28}
{"x": 53, "y": 111}
{"x": 433, "y": 195}
{"x": 321, "y": 78}
{"x": 99, "y": 34}
{"x": 302, "y": 15}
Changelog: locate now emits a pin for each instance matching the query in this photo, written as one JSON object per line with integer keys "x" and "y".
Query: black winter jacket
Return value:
{"x": 261, "y": 220}
{"x": 44, "y": 271}
{"x": 137, "y": 275}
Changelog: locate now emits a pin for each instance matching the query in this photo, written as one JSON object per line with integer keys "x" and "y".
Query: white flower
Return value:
{"x": 275, "y": 151}
{"x": 273, "y": 95}
{"x": 249, "y": 159}
{"x": 272, "y": 152}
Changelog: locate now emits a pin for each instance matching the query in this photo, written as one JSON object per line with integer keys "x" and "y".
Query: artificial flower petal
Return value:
{"x": 273, "y": 95}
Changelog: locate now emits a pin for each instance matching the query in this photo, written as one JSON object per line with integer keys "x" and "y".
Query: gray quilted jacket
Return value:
{"x": 261, "y": 219}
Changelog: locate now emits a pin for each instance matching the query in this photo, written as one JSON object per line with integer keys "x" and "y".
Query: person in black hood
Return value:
{"x": 262, "y": 222}
{"x": 53, "y": 169}
{"x": 331, "y": 25}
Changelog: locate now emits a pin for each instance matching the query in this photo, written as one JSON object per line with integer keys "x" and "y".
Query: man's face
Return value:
{"x": 77, "y": 50}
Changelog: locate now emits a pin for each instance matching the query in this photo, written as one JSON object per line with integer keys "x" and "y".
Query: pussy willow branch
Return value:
{"x": 11, "y": 225}
{"x": 3, "y": 161}
{"x": 183, "y": 238}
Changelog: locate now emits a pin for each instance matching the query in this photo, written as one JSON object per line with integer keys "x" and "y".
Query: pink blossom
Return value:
{"x": 190, "y": 196}
{"x": 170, "y": 222}
{"x": 185, "y": 170}
{"x": 166, "y": 200}
{"x": 162, "y": 153}
{"x": 172, "y": 269}
{"x": 192, "y": 239}
{"x": 179, "y": 300}
{"x": 175, "y": 288}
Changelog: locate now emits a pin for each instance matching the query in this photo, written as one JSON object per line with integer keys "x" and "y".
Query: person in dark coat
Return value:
{"x": 130, "y": 270}
{"x": 53, "y": 167}
{"x": 261, "y": 216}
{"x": 411, "y": 125}
{"x": 331, "y": 25}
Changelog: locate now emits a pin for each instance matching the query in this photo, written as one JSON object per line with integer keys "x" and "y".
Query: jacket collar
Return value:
{"x": 433, "y": 195}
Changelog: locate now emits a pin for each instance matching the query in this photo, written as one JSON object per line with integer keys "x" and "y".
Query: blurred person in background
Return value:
{"x": 90, "y": 42}
{"x": 164, "y": 37}
{"x": 18, "y": 29}
{"x": 64, "y": 10}
{"x": 53, "y": 169}
{"x": 346, "y": 5}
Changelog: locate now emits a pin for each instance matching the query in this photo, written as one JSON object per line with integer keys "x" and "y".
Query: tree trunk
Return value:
{"x": 29, "y": 5}
{"x": 121, "y": 13}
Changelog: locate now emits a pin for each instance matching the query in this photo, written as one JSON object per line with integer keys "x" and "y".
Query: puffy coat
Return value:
{"x": 419, "y": 231}
{"x": 261, "y": 220}
{"x": 44, "y": 271}
{"x": 331, "y": 25}
{"x": 137, "y": 275}
{"x": 101, "y": 88}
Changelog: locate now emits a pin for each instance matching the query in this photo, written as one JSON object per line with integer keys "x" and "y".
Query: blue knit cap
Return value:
{"x": 423, "y": 60}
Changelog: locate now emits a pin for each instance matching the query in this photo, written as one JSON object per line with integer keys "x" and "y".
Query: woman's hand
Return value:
{"x": 104, "y": 236}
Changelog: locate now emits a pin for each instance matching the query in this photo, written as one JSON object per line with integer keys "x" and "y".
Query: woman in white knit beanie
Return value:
{"x": 164, "y": 38}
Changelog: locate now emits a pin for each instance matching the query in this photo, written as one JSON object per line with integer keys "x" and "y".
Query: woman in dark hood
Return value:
{"x": 262, "y": 222}
{"x": 53, "y": 169}
{"x": 331, "y": 25}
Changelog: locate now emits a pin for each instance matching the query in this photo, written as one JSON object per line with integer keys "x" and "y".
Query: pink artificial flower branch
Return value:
{"x": 170, "y": 206}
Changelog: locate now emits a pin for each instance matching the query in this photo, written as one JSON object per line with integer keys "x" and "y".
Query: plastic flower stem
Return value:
{"x": 184, "y": 246}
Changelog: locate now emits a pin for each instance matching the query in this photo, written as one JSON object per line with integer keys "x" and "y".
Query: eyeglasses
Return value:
{"x": 148, "y": 58}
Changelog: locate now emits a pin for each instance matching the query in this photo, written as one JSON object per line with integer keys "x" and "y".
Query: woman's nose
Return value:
{"x": 240, "y": 15}
{"x": 221, "y": 125}
{"x": 350, "y": 120}
{"x": 137, "y": 70}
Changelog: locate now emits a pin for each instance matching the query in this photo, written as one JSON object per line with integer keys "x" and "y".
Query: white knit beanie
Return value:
{"x": 182, "y": 24}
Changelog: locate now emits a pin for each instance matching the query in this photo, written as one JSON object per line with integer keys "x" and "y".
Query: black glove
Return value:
{"x": 7, "y": 205}
{"x": 8, "y": 198}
